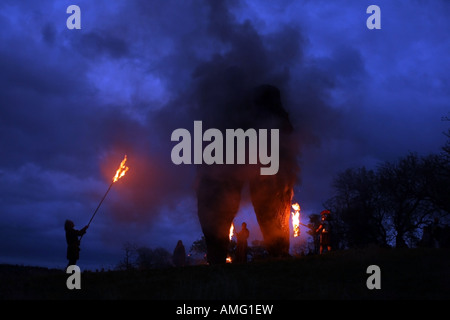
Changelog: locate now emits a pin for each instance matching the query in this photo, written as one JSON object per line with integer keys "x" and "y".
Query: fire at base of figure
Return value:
{"x": 296, "y": 219}
{"x": 230, "y": 236}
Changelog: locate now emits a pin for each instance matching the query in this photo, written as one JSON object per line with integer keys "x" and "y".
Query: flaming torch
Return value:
{"x": 296, "y": 219}
{"x": 119, "y": 174}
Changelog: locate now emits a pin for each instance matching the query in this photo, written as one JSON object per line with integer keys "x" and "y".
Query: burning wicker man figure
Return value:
{"x": 73, "y": 242}
{"x": 324, "y": 231}
{"x": 219, "y": 186}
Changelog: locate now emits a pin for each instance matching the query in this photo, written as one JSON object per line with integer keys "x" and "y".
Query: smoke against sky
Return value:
{"x": 74, "y": 102}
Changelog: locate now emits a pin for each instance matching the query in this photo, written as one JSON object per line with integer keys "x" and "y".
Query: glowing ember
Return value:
{"x": 231, "y": 234}
{"x": 122, "y": 170}
{"x": 296, "y": 219}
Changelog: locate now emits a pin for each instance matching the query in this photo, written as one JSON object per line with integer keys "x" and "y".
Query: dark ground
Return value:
{"x": 405, "y": 274}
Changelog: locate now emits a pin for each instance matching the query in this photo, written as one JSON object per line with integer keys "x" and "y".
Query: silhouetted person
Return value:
{"x": 324, "y": 231}
{"x": 241, "y": 246}
{"x": 179, "y": 254}
{"x": 73, "y": 242}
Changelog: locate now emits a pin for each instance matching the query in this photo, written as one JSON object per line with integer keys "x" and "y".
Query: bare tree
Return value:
{"x": 129, "y": 260}
{"x": 404, "y": 194}
{"x": 153, "y": 258}
{"x": 356, "y": 208}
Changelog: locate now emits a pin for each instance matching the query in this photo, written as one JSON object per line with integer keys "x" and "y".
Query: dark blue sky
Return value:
{"x": 74, "y": 102}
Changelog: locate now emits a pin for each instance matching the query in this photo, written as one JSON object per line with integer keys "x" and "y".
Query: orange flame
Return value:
{"x": 296, "y": 219}
{"x": 122, "y": 170}
{"x": 231, "y": 234}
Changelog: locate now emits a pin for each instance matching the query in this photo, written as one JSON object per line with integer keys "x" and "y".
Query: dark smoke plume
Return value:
{"x": 221, "y": 91}
{"x": 240, "y": 88}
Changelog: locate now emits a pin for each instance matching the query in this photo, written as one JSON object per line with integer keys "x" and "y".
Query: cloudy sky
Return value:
{"x": 74, "y": 102}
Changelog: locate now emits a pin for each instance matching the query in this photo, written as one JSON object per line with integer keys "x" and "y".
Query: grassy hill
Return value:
{"x": 405, "y": 274}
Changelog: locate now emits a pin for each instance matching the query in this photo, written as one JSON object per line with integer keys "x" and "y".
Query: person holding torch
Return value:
{"x": 324, "y": 231}
{"x": 73, "y": 242}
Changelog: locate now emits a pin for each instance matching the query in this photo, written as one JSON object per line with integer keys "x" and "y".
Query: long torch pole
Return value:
{"x": 119, "y": 174}
{"x": 101, "y": 201}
